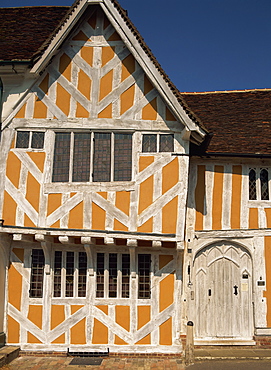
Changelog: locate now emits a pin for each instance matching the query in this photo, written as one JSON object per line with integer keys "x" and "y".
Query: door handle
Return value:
{"x": 235, "y": 289}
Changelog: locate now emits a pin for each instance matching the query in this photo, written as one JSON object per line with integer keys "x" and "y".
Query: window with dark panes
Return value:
{"x": 102, "y": 157}
{"x": 36, "y": 278}
{"x": 264, "y": 184}
{"x": 82, "y": 274}
{"x": 157, "y": 143}
{"x": 113, "y": 275}
{"x": 61, "y": 157}
{"x": 166, "y": 143}
{"x": 30, "y": 139}
{"x": 57, "y": 273}
{"x": 144, "y": 280}
{"x": 149, "y": 143}
{"x": 81, "y": 157}
{"x": 252, "y": 184}
{"x": 69, "y": 274}
{"x": 122, "y": 157}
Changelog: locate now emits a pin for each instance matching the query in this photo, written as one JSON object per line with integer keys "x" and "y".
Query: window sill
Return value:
{"x": 259, "y": 203}
{"x": 62, "y": 187}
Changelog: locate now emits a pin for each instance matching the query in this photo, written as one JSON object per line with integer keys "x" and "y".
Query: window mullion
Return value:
{"x": 75, "y": 286}
{"x": 106, "y": 275}
{"x": 71, "y": 156}
{"x": 30, "y": 140}
{"x": 158, "y": 143}
{"x": 119, "y": 275}
{"x": 91, "y": 156}
{"x": 63, "y": 275}
{"x": 112, "y": 156}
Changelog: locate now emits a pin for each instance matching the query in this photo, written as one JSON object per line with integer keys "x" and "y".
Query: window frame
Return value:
{"x": 258, "y": 182}
{"x": 158, "y": 135}
{"x": 91, "y": 153}
{"x": 29, "y": 147}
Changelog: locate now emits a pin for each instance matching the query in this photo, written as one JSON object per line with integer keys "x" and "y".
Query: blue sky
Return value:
{"x": 203, "y": 45}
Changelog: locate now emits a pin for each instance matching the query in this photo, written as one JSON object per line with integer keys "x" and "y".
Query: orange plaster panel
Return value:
{"x": 127, "y": 99}
{"x": 236, "y": 196}
{"x": 166, "y": 333}
{"x": 123, "y": 201}
{"x": 13, "y": 169}
{"x": 100, "y": 333}
{"x": 169, "y": 216}
{"x": 106, "y": 112}
{"x": 28, "y": 222}
{"x": 75, "y": 308}
{"x": 103, "y": 308}
{"x": 21, "y": 112}
{"x": 144, "y": 162}
{"x": 106, "y": 84}
{"x": 54, "y": 202}
{"x": 78, "y": 333}
{"x": 38, "y": 158}
{"x": 147, "y": 227}
{"x": 81, "y": 36}
{"x": 217, "y": 197}
{"x": 143, "y": 316}
{"x": 128, "y": 67}
{"x": 98, "y": 217}
{"x": 35, "y": 315}
{"x": 32, "y": 191}
{"x": 102, "y": 194}
{"x": 57, "y": 315}
{"x": 253, "y": 218}
{"x": 199, "y": 197}
{"x": 81, "y": 112}
{"x": 87, "y": 54}
{"x": 40, "y": 109}
{"x": 145, "y": 340}
{"x": 32, "y": 339}
{"x": 119, "y": 341}
{"x": 14, "y": 287}
{"x": 19, "y": 252}
{"x": 149, "y": 112}
{"x": 119, "y": 226}
{"x": 148, "y": 86}
{"x": 76, "y": 217}
{"x": 108, "y": 53}
{"x": 44, "y": 85}
{"x": 9, "y": 209}
{"x": 267, "y": 293}
{"x": 65, "y": 66}
{"x": 13, "y": 330}
{"x": 170, "y": 175}
{"x": 169, "y": 115}
{"x": 146, "y": 194}
{"x": 84, "y": 84}
{"x": 268, "y": 217}
{"x": 63, "y": 99}
{"x": 164, "y": 259}
{"x": 166, "y": 292}
{"x": 123, "y": 316}
{"x": 59, "y": 340}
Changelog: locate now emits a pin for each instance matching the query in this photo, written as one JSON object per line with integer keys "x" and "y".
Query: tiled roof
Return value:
{"x": 238, "y": 121}
{"x": 24, "y": 30}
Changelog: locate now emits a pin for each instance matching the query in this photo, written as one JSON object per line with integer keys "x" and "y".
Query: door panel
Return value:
{"x": 223, "y": 292}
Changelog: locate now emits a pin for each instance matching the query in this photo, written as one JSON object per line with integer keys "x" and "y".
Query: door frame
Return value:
{"x": 191, "y": 291}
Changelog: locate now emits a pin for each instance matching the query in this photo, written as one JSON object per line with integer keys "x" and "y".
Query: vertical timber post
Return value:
{"x": 189, "y": 349}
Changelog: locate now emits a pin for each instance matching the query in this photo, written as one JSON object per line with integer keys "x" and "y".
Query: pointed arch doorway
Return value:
{"x": 223, "y": 293}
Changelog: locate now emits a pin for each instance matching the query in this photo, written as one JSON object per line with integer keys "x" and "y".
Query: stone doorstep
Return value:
{"x": 8, "y": 354}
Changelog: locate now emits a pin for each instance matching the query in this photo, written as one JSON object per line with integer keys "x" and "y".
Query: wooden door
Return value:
{"x": 223, "y": 292}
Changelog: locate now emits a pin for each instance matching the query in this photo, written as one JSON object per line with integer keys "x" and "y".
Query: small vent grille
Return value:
{"x": 88, "y": 354}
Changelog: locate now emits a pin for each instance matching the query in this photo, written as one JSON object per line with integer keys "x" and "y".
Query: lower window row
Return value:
{"x": 70, "y": 274}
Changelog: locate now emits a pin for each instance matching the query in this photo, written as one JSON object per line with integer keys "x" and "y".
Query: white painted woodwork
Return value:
{"x": 220, "y": 313}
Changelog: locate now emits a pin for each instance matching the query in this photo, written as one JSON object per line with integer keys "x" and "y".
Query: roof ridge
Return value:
{"x": 223, "y": 91}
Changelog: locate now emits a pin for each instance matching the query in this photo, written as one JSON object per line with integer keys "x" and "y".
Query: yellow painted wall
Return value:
{"x": 32, "y": 191}
{"x": 169, "y": 216}
{"x": 100, "y": 333}
{"x": 63, "y": 99}
{"x": 14, "y": 287}
{"x": 149, "y": 112}
{"x": 106, "y": 84}
{"x": 166, "y": 292}
{"x": 267, "y": 293}
{"x": 35, "y": 315}
{"x": 57, "y": 317}
{"x": 123, "y": 319}
{"x": 128, "y": 67}
{"x": 146, "y": 194}
{"x": 9, "y": 210}
{"x": 164, "y": 259}
{"x": 13, "y": 169}
{"x": 170, "y": 175}
{"x": 127, "y": 99}
{"x": 253, "y": 218}
{"x": 13, "y": 330}
{"x": 78, "y": 331}
{"x": 145, "y": 161}
{"x": 98, "y": 217}
{"x": 38, "y": 158}
{"x": 19, "y": 252}
{"x": 165, "y": 331}
{"x": 268, "y": 217}
{"x": 76, "y": 217}
{"x": 147, "y": 227}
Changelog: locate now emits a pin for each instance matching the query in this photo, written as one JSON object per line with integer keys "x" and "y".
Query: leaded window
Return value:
{"x": 252, "y": 184}
{"x": 36, "y": 278}
{"x": 77, "y": 160}
{"x": 258, "y": 184}
{"x": 144, "y": 279}
{"x": 264, "y": 184}
{"x": 30, "y": 139}
{"x": 152, "y": 143}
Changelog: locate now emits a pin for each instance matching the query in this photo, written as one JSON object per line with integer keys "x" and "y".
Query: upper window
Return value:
{"x": 258, "y": 184}
{"x": 30, "y": 139}
{"x": 76, "y": 159}
{"x": 36, "y": 279}
{"x": 157, "y": 143}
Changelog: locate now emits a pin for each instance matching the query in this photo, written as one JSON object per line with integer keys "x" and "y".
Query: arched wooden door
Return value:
{"x": 223, "y": 292}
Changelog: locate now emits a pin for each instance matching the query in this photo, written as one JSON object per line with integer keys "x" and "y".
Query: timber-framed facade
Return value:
{"x": 121, "y": 218}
